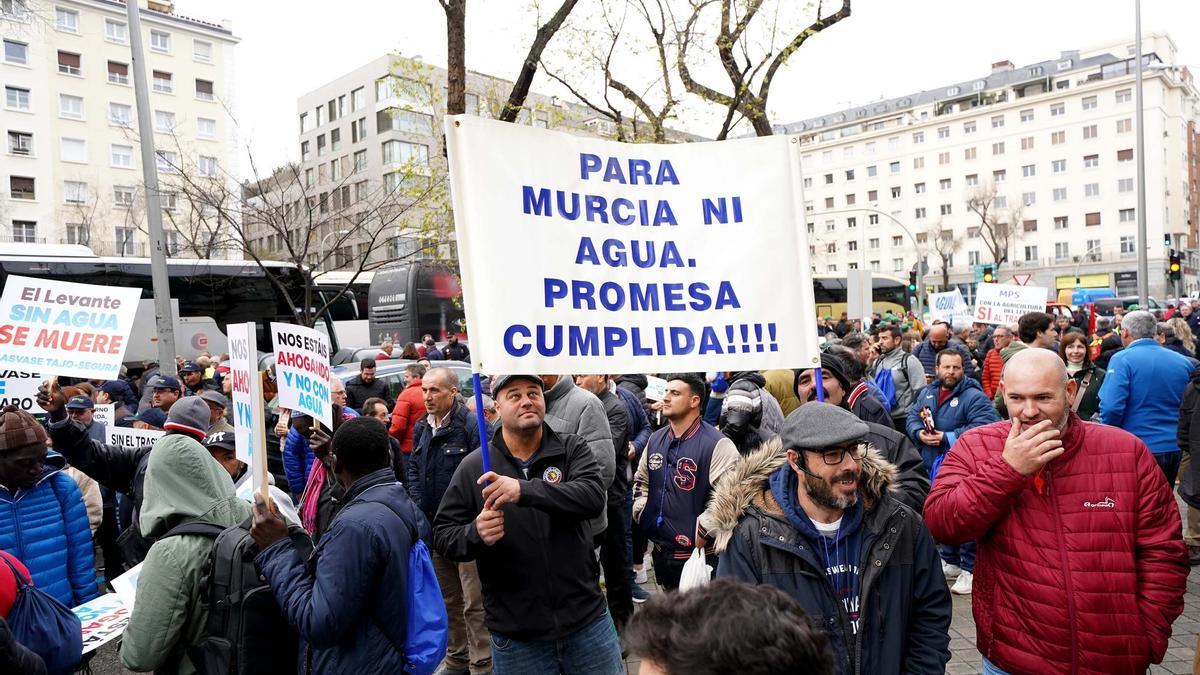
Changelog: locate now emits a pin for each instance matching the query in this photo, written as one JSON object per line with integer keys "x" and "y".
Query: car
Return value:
{"x": 1105, "y": 306}
{"x": 391, "y": 371}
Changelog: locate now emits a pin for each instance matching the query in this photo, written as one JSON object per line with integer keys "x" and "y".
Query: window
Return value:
{"x": 998, "y": 121}
{"x": 335, "y": 139}
{"x": 1092, "y": 251}
{"x": 999, "y": 175}
{"x": 207, "y": 166}
{"x": 873, "y": 219}
{"x": 945, "y": 209}
{"x": 895, "y": 193}
{"x": 1124, "y": 126}
{"x": 972, "y": 258}
{"x": 206, "y": 128}
{"x": 918, "y": 188}
{"x": 848, "y": 152}
{"x": 1060, "y": 194}
{"x": 943, "y": 158}
{"x": 1031, "y": 254}
{"x": 850, "y": 200}
{"x": 122, "y": 156}
{"x": 972, "y": 179}
{"x": 1124, "y": 95}
{"x": 852, "y": 245}
{"x": 308, "y": 178}
{"x": 202, "y": 51}
{"x": 1058, "y": 137}
{"x": 160, "y": 41}
{"x": 304, "y": 123}
{"x": 21, "y": 187}
{"x": 320, "y": 115}
{"x": 808, "y": 182}
{"x": 421, "y": 124}
{"x": 166, "y": 161}
{"x": 943, "y": 132}
{"x": 1057, "y": 109}
{"x": 849, "y": 174}
{"x": 897, "y": 240}
{"x": 66, "y": 20}
{"x": 78, "y": 233}
{"x": 1128, "y": 246}
{"x": 1062, "y": 250}
{"x": 1029, "y": 198}
{"x": 1028, "y": 171}
{"x": 919, "y": 212}
{"x": 358, "y": 99}
{"x": 829, "y": 202}
{"x": 968, "y": 127}
{"x": 305, "y": 151}
{"x": 874, "y": 266}
{"x": 1089, "y": 132}
{"x": 20, "y": 143}
{"x": 321, "y": 147}
{"x": 1027, "y": 143}
{"x": 969, "y": 154}
{"x": 1091, "y": 190}
{"x": 944, "y": 184}
{"x": 360, "y": 193}
{"x": 830, "y": 225}
{"x": 399, "y": 152}
{"x": 24, "y": 231}
{"x": 68, "y": 63}
{"x": 70, "y": 106}
{"x": 120, "y": 114}
{"x": 918, "y": 137}
{"x": 164, "y": 121}
{"x": 116, "y": 31}
{"x": 335, "y": 170}
{"x": 122, "y": 196}
{"x": 118, "y": 73}
{"x": 973, "y": 232}
{"x": 1000, "y": 202}
{"x": 871, "y": 148}
{"x": 1089, "y": 102}
{"x": 163, "y": 82}
{"x": 204, "y": 89}
{"x": 1027, "y": 115}
{"x": 898, "y": 264}
{"x": 75, "y": 192}
{"x": 998, "y": 148}
{"x": 74, "y": 150}
{"x": 1058, "y": 166}
{"x": 1124, "y": 185}
{"x": 871, "y": 171}
{"x": 829, "y": 179}
{"x": 894, "y": 167}
{"x": 16, "y": 98}
{"x": 918, "y": 162}
{"x": 872, "y": 195}
{"x": 1125, "y": 155}
{"x": 16, "y": 52}
{"x": 360, "y": 161}
{"x": 124, "y": 240}
{"x": 1091, "y": 219}
{"x": 1126, "y": 215}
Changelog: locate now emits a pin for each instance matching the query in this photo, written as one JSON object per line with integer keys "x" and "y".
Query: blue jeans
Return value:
{"x": 990, "y": 668}
{"x": 591, "y": 650}
{"x": 1169, "y": 463}
{"x": 962, "y": 555}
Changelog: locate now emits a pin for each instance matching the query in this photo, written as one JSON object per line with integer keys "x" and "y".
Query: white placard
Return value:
{"x": 302, "y": 370}
{"x": 860, "y": 299}
{"x": 125, "y": 586}
{"x": 583, "y": 255}
{"x": 948, "y": 306}
{"x": 128, "y": 437}
{"x": 20, "y": 388}
{"x": 102, "y": 620}
{"x": 103, "y": 414}
{"x": 249, "y": 422}
{"x": 1006, "y": 303}
{"x": 61, "y": 328}
{"x": 656, "y": 388}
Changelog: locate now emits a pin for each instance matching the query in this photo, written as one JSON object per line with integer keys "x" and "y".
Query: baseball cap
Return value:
{"x": 501, "y": 381}
{"x": 216, "y": 398}
{"x": 190, "y": 367}
{"x": 152, "y": 416}
{"x": 80, "y": 403}
{"x": 167, "y": 382}
{"x": 221, "y": 439}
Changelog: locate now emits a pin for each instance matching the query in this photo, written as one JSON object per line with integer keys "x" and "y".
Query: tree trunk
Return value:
{"x": 524, "y": 80}
{"x": 456, "y": 56}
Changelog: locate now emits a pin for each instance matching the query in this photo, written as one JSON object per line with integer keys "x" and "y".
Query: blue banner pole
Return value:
{"x": 818, "y": 382}
{"x": 483, "y": 437}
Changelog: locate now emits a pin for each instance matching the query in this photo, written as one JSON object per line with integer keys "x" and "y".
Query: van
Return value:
{"x": 1105, "y": 306}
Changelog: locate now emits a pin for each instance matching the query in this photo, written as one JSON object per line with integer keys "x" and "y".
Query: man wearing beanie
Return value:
{"x": 43, "y": 521}
{"x": 841, "y": 390}
{"x": 812, "y": 514}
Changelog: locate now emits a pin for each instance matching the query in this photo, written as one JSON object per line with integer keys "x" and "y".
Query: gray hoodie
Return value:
{"x": 571, "y": 410}
{"x": 908, "y": 375}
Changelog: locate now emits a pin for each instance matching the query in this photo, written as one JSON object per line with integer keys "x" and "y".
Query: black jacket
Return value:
{"x": 15, "y": 657}
{"x": 456, "y": 351}
{"x": 435, "y": 457}
{"x": 618, "y": 422}
{"x": 539, "y": 580}
{"x": 911, "y": 485}
{"x": 868, "y": 409}
{"x": 357, "y": 392}
{"x": 1187, "y": 434}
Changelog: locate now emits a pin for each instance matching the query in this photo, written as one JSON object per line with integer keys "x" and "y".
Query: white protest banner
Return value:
{"x": 302, "y": 370}
{"x": 103, "y": 414}
{"x": 946, "y": 306}
{"x": 102, "y": 619}
{"x": 126, "y": 437}
{"x": 860, "y": 295}
{"x": 656, "y": 388}
{"x": 584, "y": 255}
{"x": 19, "y": 388}
{"x": 1006, "y": 303}
{"x": 248, "y": 418}
{"x": 61, "y": 328}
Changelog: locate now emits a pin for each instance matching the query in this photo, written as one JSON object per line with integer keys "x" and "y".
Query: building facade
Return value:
{"x": 71, "y": 167}
{"x": 1029, "y": 169}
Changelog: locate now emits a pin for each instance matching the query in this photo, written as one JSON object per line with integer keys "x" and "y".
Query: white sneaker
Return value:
{"x": 639, "y": 576}
{"x": 962, "y": 585}
{"x": 950, "y": 571}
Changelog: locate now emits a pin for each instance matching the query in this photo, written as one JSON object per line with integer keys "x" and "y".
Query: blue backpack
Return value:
{"x": 45, "y": 626}
{"x": 887, "y": 385}
{"x": 426, "y": 626}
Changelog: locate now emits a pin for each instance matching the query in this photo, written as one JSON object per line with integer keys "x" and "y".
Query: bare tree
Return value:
{"x": 743, "y": 29}
{"x": 999, "y": 228}
{"x": 456, "y": 55}
{"x": 945, "y": 245}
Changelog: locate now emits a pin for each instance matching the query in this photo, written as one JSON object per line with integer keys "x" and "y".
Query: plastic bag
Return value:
{"x": 696, "y": 572}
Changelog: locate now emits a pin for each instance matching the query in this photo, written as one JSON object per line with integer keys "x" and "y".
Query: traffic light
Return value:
{"x": 912, "y": 282}
{"x": 1167, "y": 241}
{"x": 1176, "y": 266}
{"x": 989, "y": 274}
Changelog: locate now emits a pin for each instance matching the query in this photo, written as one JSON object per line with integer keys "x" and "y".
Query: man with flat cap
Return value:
{"x": 525, "y": 523}
{"x": 217, "y": 405}
{"x": 811, "y": 513}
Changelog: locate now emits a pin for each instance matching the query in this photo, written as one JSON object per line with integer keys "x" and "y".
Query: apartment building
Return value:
{"x": 1048, "y": 147}
{"x": 71, "y": 167}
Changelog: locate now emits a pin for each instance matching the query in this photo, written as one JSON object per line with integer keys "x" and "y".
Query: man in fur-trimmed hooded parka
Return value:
{"x": 812, "y": 514}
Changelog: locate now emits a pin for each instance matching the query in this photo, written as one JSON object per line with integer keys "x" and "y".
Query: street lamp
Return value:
{"x": 1143, "y": 261}
{"x": 920, "y": 251}
{"x": 321, "y": 248}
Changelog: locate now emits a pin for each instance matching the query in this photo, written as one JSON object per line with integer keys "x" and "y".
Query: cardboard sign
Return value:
{"x": 126, "y": 437}
{"x": 249, "y": 421}
{"x": 948, "y": 306}
{"x": 656, "y": 388}
{"x": 19, "y": 388}
{"x": 61, "y": 328}
{"x": 860, "y": 301}
{"x": 103, "y": 620}
{"x": 103, "y": 415}
{"x": 125, "y": 586}
{"x": 622, "y": 258}
{"x": 302, "y": 371}
{"x": 1005, "y": 303}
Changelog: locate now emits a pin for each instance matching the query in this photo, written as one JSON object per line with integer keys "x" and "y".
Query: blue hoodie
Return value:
{"x": 840, "y": 553}
{"x": 1142, "y": 391}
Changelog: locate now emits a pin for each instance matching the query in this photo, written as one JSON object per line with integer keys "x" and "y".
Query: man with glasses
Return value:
{"x": 813, "y": 515}
{"x": 82, "y": 410}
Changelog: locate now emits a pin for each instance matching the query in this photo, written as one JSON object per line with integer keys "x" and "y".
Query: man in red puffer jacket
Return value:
{"x": 410, "y": 407}
{"x": 1081, "y": 565}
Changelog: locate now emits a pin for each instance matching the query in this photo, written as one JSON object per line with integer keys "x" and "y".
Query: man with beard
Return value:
{"x": 1082, "y": 565}
{"x": 944, "y": 410}
{"x": 812, "y": 514}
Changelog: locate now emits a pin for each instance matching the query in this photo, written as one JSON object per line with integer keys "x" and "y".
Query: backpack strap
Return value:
{"x": 22, "y": 584}
{"x": 856, "y": 393}
{"x": 196, "y": 527}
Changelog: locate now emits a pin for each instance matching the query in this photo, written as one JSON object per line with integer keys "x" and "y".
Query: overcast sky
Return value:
{"x": 886, "y": 48}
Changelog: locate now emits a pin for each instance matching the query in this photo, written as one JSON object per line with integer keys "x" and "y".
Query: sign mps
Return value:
{"x": 1005, "y": 303}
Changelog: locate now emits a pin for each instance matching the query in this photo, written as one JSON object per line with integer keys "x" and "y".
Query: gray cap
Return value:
{"x": 215, "y": 397}
{"x": 816, "y": 426}
{"x": 501, "y": 381}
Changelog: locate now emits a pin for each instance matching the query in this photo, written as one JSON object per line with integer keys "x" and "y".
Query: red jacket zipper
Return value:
{"x": 1062, "y": 549}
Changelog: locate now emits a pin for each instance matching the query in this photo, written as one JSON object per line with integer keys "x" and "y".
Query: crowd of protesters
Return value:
{"x": 1030, "y": 465}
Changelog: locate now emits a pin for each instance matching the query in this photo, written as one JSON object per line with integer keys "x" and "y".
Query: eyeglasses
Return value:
{"x": 835, "y": 456}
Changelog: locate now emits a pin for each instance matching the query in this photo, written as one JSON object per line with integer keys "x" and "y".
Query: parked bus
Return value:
{"x": 889, "y": 293}
{"x": 349, "y": 318}
{"x": 206, "y": 295}
{"x": 414, "y": 298}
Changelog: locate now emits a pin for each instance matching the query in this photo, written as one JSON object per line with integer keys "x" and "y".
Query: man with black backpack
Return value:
{"x": 897, "y": 373}
{"x": 370, "y": 579}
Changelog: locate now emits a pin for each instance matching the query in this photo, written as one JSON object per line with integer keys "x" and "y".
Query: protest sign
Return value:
{"x": 860, "y": 295}
{"x": 1006, "y": 303}
{"x": 584, "y": 255}
{"x": 19, "y": 388}
{"x": 656, "y": 388}
{"x": 103, "y": 414}
{"x": 248, "y": 419}
{"x": 948, "y": 306}
{"x": 125, "y": 586}
{"x": 102, "y": 619}
{"x": 126, "y": 437}
{"x": 302, "y": 370}
{"x": 62, "y": 328}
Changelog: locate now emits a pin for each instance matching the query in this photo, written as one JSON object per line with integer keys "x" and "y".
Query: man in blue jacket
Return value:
{"x": 937, "y": 340}
{"x": 43, "y": 521}
{"x": 941, "y": 413}
{"x": 1143, "y": 388}
{"x": 349, "y": 604}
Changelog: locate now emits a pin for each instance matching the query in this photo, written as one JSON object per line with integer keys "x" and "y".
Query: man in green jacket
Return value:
{"x": 184, "y": 484}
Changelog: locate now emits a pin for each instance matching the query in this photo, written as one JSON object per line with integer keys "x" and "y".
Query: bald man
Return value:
{"x": 939, "y": 338}
{"x": 1081, "y": 564}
